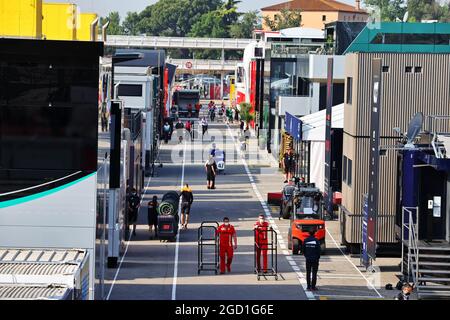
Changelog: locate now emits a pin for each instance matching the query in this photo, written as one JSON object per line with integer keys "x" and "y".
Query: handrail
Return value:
{"x": 411, "y": 228}
{"x": 172, "y": 42}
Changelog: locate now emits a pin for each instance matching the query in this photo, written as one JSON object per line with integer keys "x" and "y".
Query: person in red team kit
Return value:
{"x": 226, "y": 234}
{"x": 261, "y": 239}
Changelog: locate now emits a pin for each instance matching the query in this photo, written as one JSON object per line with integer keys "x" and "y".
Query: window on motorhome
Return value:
{"x": 130, "y": 90}
{"x": 349, "y": 90}
{"x": 344, "y": 170}
{"x": 349, "y": 172}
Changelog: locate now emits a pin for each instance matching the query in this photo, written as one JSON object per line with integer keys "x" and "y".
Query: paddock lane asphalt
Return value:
{"x": 148, "y": 267}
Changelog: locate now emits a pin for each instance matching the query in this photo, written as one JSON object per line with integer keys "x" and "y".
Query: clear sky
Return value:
{"x": 103, "y": 7}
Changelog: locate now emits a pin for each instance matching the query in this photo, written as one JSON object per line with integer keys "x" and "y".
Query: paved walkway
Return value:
{"x": 157, "y": 270}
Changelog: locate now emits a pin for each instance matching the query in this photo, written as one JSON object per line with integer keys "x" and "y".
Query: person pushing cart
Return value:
{"x": 265, "y": 243}
{"x": 227, "y": 235}
{"x": 261, "y": 228}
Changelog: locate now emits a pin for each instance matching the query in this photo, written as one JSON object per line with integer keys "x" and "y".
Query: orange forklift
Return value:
{"x": 306, "y": 215}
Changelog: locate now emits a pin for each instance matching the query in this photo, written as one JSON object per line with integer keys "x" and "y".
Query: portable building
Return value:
{"x": 60, "y": 21}
{"x": 21, "y": 18}
{"x": 44, "y": 267}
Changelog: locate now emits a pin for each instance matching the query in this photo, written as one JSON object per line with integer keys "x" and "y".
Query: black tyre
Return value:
{"x": 323, "y": 248}
{"x": 289, "y": 239}
{"x": 286, "y": 212}
{"x": 172, "y": 195}
{"x": 167, "y": 208}
{"x": 295, "y": 246}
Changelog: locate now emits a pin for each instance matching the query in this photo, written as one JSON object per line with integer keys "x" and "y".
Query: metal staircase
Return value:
{"x": 426, "y": 266}
{"x": 433, "y": 269}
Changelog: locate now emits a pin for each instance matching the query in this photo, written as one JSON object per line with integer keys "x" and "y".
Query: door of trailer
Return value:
{"x": 433, "y": 204}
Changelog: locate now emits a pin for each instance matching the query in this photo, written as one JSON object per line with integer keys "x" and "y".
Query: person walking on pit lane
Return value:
{"x": 261, "y": 228}
{"x": 133, "y": 209}
{"x": 187, "y": 198}
{"x": 189, "y": 110}
{"x": 211, "y": 171}
{"x": 288, "y": 164}
{"x": 166, "y": 130}
{"x": 152, "y": 216}
{"x": 188, "y": 127}
{"x": 180, "y": 129}
{"x": 198, "y": 107}
{"x": 227, "y": 235}
{"x": 204, "y": 124}
{"x": 311, "y": 251}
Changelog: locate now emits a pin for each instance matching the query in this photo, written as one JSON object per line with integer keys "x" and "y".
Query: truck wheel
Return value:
{"x": 295, "y": 246}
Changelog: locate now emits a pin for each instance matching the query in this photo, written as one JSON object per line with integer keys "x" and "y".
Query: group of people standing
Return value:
{"x": 182, "y": 128}
{"x": 186, "y": 200}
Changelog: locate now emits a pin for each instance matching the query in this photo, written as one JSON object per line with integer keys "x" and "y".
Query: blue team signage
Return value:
{"x": 293, "y": 126}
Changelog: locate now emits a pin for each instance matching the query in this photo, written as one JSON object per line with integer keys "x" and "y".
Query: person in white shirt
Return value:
{"x": 204, "y": 124}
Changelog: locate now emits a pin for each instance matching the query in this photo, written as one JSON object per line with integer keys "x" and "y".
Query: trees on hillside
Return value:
{"x": 245, "y": 25}
{"x": 180, "y": 18}
{"x": 114, "y": 23}
{"x": 418, "y": 10}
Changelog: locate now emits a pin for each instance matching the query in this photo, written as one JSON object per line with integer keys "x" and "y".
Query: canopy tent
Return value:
{"x": 314, "y": 124}
{"x": 313, "y": 130}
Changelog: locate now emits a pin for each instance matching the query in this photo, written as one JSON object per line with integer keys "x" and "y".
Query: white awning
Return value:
{"x": 314, "y": 124}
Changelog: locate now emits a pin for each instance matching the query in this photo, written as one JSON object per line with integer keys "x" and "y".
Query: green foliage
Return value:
{"x": 284, "y": 20}
{"x": 180, "y": 18}
{"x": 131, "y": 24}
{"x": 114, "y": 23}
{"x": 428, "y": 10}
{"x": 245, "y": 26}
{"x": 211, "y": 25}
{"x": 418, "y": 10}
{"x": 245, "y": 113}
{"x": 390, "y": 10}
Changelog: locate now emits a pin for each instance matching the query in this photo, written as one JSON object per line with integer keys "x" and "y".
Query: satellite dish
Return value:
{"x": 414, "y": 128}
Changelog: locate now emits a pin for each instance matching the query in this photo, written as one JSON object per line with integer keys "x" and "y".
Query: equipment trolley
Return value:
{"x": 266, "y": 244}
{"x": 208, "y": 244}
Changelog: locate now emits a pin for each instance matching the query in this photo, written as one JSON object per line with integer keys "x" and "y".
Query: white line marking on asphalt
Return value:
{"x": 126, "y": 248}
{"x": 368, "y": 282}
{"x": 177, "y": 246}
{"x": 301, "y": 278}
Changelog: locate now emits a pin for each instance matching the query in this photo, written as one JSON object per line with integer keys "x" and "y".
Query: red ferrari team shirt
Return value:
{"x": 261, "y": 231}
{"x": 226, "y": 234}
